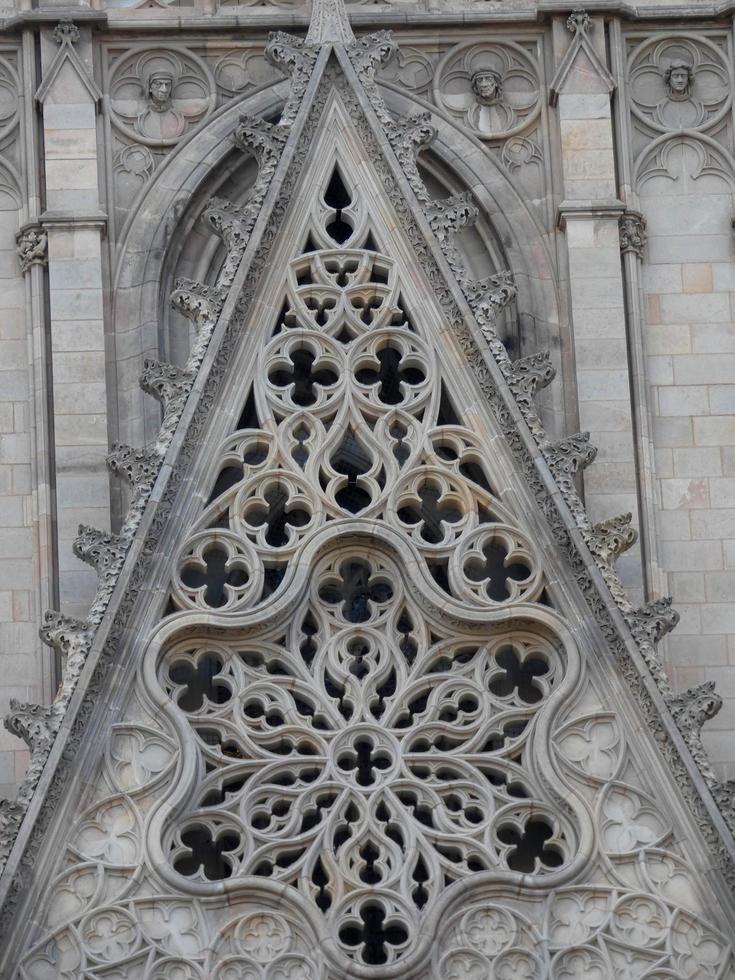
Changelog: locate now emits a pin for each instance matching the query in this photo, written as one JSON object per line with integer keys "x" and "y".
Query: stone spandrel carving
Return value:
{"x": 678, "y": 82}
{"x": 372, "y": 725}
{"x": 492, "y": 88}
{"x": 157, "y": 95}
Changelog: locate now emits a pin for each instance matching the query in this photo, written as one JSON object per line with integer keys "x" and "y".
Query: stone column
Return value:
{"x": 75, "y": 226}
{"x": 588, "y": 215}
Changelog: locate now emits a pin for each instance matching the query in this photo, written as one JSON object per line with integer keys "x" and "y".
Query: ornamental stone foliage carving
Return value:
{"x": 32, "y": 248}
{"x": 65, "y": 32}
{"x": 157, "y": 95}
{"x": 364, "y": 743}
{"x": 678, "y": 82}
{"x": 633, "y": 236}
{"x": 492, "y": 88}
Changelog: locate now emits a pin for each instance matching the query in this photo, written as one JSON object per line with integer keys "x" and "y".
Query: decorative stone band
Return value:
{"x": 31, "y": 247}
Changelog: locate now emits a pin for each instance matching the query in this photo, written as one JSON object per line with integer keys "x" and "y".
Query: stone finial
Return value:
{"x": 578, "y": 22}
{"x": 329, "y": 23}
{"x": 65, "y": 32}
{"x": 654, "y": 620}
{"x": 31, "y": 248}
{"x": 633, "y": 236}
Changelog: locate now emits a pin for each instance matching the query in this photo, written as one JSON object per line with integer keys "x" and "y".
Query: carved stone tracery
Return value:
{"x": 117, "y": 927}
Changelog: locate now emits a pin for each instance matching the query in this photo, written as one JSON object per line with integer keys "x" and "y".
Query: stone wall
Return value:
{"x": 566, "y": 134}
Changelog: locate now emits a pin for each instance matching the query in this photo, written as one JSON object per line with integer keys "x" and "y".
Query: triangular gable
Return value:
{"x": 581, "y": 57}
{"x": 507, "y": 881}
{"x": 68, "y": 62}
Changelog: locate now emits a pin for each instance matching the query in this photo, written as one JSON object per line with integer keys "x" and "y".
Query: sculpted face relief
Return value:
{"x": 487, "y": 86}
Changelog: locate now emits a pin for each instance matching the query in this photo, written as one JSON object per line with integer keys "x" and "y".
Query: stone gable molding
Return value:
{"x": 580, "y": 25}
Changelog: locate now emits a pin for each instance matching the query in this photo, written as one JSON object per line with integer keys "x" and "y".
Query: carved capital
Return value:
{"x": 578, "y": 22}
{"x": 633, "y": 236}
{"x": 103, "y": 551}
{"x": 654, "y": 620}
{"x": 198, "y": 302}
{"x": 65, "y": 32}
{"x": 31, "y": 248}
{"x": 608, "y": 539}
{"x": 138, "y": 467}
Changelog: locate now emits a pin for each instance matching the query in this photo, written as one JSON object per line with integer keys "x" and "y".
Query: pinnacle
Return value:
{"x": 329, "y": 23}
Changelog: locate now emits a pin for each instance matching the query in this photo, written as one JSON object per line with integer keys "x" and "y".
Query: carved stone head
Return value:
{"x": 160, "y": 89}
{"x": 678, "y": 78}
{"x": 487, "y": 86}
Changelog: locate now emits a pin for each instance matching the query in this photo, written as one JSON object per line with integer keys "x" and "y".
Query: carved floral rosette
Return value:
{"x": 191, "y": 94}
{"x": 513, "y": 107}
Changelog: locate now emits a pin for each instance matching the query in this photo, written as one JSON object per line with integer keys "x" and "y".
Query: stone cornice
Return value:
{"x": 256, "y": 21}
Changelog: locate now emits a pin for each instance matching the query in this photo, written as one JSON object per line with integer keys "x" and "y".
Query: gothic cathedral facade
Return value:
{"x": 368, "y": 392}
